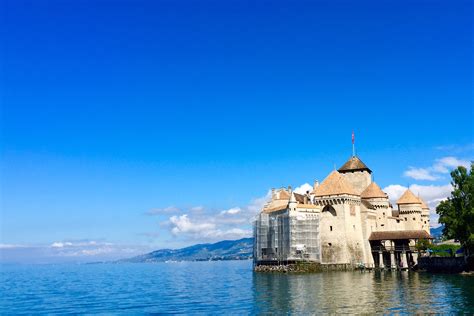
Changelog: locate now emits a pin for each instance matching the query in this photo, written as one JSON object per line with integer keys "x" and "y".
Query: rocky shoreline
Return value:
{"x": 302, "y": 267}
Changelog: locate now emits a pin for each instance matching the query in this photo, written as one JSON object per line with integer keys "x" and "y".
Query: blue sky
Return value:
{"x": 138, "y": 125}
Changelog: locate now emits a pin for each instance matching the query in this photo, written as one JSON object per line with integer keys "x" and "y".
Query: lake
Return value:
{"x": 226, "y": 286}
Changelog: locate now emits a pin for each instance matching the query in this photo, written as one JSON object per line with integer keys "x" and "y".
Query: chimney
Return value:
{"x": 289, "y": 189}
{"x": 316, "y": 184}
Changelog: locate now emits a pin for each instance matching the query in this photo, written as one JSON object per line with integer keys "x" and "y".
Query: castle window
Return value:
{"x": 329, "y": 209}
{"x": 330, "y": 228}
{"x": 414, "y": 219}
{"x": 398, "y": 221}
{"x": 329, "y": 244}
{"x": 383, "y": 213}
{"x": 406, "y": 219}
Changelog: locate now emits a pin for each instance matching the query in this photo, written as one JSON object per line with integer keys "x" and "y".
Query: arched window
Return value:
{"x": 330, "y": 209}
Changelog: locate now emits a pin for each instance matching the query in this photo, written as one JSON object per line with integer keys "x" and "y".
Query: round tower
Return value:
{"x": 409, "y": 207}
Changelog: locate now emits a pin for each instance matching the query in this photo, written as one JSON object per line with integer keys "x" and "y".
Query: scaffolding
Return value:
{"x": 286, "y": 236}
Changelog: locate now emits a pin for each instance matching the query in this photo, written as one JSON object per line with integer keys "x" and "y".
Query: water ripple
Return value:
{"x": 213, "y": 287}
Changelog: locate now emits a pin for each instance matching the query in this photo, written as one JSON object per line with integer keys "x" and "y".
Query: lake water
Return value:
{"x": 230, "y": 287}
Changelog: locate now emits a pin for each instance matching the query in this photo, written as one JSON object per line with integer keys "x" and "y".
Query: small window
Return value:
{"x": 383, "y": 213}
{"x": 398, "y": 221}
{"x": 382, "y": 225}
{"x": 414, "y": 219}
{"x": 330, "y": 228}
{"x": 329, "y": 244}
{"x": 406, "y": 219}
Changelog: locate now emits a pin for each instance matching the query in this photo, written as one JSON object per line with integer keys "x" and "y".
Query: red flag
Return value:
{"x": 353, "y": 137}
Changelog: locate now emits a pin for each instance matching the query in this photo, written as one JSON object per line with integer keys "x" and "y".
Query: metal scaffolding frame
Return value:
{"x": 285, "y": 236}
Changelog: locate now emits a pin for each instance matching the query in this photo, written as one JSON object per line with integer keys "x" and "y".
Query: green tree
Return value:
{"x": 457, "y": 212}
{"x": 422, "y": 245}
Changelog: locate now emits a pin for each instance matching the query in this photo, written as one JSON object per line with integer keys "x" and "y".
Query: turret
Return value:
{"x": 374, "y": 194}
{"x": 425, "y": 215}
{"x": 409, "y": 207}
{"x": 292, "y": 203}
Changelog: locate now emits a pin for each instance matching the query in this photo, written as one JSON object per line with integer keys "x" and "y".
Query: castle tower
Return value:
{"x": 292, "y": 203}
{"x": 409, "y": 207}
{"x": 425, "y": 215}
{"x": 356, "y": 173}
{"x": 341, "y": 233}
{"x": 378, "y": 205}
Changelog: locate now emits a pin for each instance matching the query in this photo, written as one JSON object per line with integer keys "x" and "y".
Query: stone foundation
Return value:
{"x": 443, "y": 264}
{"x": 338, "y": 267}
{"x": 298, "y": 267}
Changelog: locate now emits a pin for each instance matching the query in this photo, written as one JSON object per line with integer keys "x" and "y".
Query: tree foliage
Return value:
{"x": 422, "y": 244}
{"x": 457, "y": 212}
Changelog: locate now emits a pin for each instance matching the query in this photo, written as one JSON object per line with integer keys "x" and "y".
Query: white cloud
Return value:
{"x": 183, "y": 226}
{"x": 11, "y": 246}
{"x": 439, "y": 167}
{"x": 456, "y": 148}
{"x": 197, "y": 208}
{"x": 69, "y": 251}
{"x": 420, "y": 174}
{"x": 232, "y": 211}
{"x": 443, "y": 165}
{"x": 165, "y": 210}
{"x": 302, "y": 189}
{"x": 58, "y": 244}
{"x": 394, "y": 192}
{"x": 212, "y": 225}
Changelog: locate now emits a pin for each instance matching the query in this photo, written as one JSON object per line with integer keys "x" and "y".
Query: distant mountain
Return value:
{"x": 241, "y": 249}
{"x": 437, "y": 232}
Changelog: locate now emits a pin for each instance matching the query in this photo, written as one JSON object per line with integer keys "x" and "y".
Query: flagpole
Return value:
{"x": 353, "y": 146}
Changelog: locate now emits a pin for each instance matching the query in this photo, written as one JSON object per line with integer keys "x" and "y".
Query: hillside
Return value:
{"x": 241, "y": 249}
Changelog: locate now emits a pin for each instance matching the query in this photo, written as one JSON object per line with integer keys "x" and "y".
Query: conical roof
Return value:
{"x": 334, "y": 184}
{"x": 373, "y": 191}
{"x": 423, "y": 204}
{"x": 408, "y": 198}
{"x": 354, "y": 164}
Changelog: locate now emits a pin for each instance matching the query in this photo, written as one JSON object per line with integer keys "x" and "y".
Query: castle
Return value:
{"x": 346, "y": 221}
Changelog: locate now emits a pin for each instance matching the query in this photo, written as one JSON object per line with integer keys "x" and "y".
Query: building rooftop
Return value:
{"x": 334, "y": 184}
{"x": 354, "y": 164}
{"x": 423, "y": 204}
{"x": 400, "y": 234}
{"x": 373, "y": 191}
{"x": 408, "y": 198}
{"x": 283, "y": 195}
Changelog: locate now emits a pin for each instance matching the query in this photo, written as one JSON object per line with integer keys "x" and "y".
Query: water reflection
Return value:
{"x": 355, "y": 292}
{"x": 228, "y": 287}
